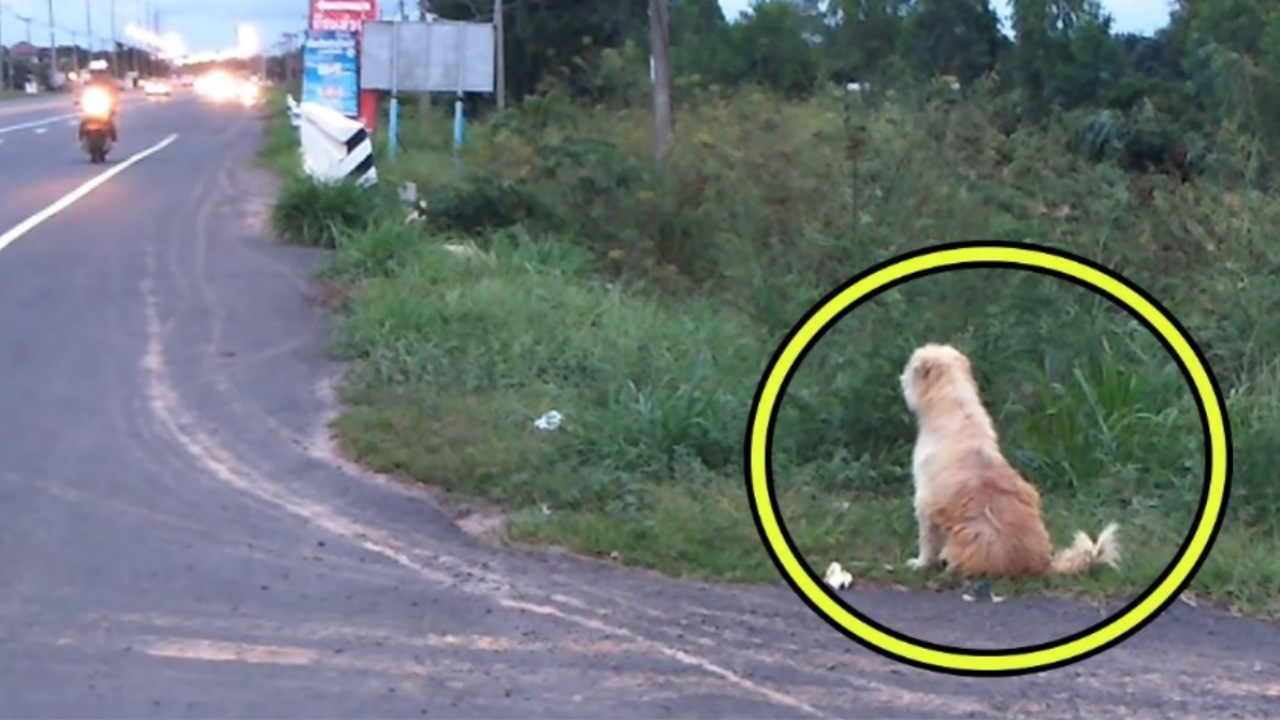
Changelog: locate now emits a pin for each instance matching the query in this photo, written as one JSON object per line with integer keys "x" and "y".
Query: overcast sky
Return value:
{"x": 211, "y": 24}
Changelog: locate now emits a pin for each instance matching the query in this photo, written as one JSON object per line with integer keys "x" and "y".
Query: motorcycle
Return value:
{"x": 97, "y": 126}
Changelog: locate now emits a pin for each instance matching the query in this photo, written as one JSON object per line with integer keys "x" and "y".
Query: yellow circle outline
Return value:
{"x": 988, "y": 662}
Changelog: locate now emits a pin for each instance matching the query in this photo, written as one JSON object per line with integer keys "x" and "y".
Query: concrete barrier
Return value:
{"x": 295, "y": 118}
{"x": 334, "y": 147}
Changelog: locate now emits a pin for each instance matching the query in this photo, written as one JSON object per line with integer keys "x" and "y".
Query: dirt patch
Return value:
{"x": 256, "y": 191}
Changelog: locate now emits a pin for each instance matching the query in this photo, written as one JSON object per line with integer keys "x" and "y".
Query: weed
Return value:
{"x": 310, "y": 212}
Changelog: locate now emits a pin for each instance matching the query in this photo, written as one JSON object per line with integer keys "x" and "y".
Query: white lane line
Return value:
{"x": 37, "y": 123}
{"x": 74, "y": 119}
{"x": 87, "y": 187}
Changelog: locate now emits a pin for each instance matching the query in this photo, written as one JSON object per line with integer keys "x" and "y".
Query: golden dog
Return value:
{"x": 975, "y": 511}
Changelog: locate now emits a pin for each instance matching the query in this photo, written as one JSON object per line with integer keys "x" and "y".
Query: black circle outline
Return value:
{"x": 985, "y": 652}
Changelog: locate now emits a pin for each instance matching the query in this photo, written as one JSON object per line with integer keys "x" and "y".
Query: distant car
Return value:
{"x": 157, "y": 88}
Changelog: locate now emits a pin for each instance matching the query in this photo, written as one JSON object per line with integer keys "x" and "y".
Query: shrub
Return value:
{"x": 309, "y": 212}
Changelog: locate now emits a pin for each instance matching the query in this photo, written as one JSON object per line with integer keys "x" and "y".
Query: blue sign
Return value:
{"x": 331, "y": 70}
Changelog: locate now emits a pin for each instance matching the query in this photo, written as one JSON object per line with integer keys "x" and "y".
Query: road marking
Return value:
{"x": 213, "y": 650}
{"x": 37, "y": 123}
{"x": 87, "y": 187}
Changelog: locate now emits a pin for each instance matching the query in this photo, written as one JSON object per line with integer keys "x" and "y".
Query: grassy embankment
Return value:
{"x": 644, "y": 308}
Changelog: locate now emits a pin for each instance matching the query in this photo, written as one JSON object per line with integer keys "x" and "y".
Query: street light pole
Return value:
{"x": 499, "y": 31}
{"x": 115, "y": 44}
{"x": 53, "y": 47}
{"x": 4, "y": 56}
{"x": 88, "y": 29}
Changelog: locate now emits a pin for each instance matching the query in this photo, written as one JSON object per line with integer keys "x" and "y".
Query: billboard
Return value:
{"x": 343, "y": 15}
{"x": 441, "y": 56}
{"x": 331, "y": 70}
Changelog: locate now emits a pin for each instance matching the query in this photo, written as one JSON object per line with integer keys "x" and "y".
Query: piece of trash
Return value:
{"x": 409, "y": 193}
{"x": 837, "y": 577}
{"x": 416, "y": 207}
{"x": 461, "y": 250}
{"x": 980, "y": 589}
{"x": 549, "y": 421}
{"x": 545, "y": 510}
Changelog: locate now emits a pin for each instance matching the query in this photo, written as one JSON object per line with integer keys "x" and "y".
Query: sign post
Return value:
{"x": 440, "y": 56}
{"x": 349, "y": 16}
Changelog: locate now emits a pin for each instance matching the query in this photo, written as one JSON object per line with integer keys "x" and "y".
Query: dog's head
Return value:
{"x": 933, "y": 367}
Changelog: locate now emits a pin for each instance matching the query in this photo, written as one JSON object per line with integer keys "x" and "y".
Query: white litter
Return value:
{"x": 837, "y": 577}
{"x": 461, "y": 250}
{"x": 549, "y": 421}
{"x": 409, "y": 193}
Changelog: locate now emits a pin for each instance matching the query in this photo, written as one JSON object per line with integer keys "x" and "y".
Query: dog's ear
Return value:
{"x": 926, "y": 368}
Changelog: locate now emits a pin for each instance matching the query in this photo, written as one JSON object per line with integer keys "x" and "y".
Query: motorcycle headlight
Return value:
{"x": 96, "y": 102}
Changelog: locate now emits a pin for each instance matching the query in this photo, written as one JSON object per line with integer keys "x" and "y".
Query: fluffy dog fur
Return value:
{"x": 975, "y": 511}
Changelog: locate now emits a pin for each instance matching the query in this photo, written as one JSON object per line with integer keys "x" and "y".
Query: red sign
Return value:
{"x": 346, "y": 15}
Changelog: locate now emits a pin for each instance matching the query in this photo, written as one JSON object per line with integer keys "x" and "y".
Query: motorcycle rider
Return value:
{"x": 98, "y": 76}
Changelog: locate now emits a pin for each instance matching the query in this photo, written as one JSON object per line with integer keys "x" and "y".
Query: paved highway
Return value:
{"x": 178, "y": 540}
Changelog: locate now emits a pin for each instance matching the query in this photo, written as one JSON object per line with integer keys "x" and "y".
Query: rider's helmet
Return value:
{"x": 97, "y": 72}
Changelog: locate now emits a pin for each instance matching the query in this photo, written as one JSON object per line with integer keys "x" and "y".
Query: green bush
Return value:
{"x": 318, "y": 214}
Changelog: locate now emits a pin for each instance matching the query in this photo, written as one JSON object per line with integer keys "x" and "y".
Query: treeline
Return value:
{"x": 1147, "y": 100}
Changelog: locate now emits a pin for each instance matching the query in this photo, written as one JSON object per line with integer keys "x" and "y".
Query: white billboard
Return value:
{"x": 437, "y": 56}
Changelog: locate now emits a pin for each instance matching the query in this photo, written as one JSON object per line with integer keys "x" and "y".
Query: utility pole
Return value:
{"x": 660, "y": 75}
{"x": 4, "y": 56}
{"x": 88, "y": 28}
{"x": 424, "y": 98}
{"x": 115, "y": 44}
{"x": 158, "y": 57}
{"x": 53, "y": 48}
{"x": 500, "y": 36}
{"x": 138, "y": 62}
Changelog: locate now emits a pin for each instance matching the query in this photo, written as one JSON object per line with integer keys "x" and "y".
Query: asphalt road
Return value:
{"x": 178, "y": 540}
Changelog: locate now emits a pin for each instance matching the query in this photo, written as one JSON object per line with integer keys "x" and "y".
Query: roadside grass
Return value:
{"x": 279, "y": 151}
{"x": 643, "y": 306}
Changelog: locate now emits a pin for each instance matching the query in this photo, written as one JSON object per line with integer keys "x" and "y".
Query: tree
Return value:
{"x": 1049, "y": 34}
{"x": 863, "y": 36}
{"x": 960, "y": 38}
{"x": 700, "y": 40}
{"x": 775, "y": 47}
{"x": 551, "y": 39}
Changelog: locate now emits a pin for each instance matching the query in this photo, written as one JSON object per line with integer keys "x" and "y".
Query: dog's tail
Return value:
{"x": 1084, "y": 553}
